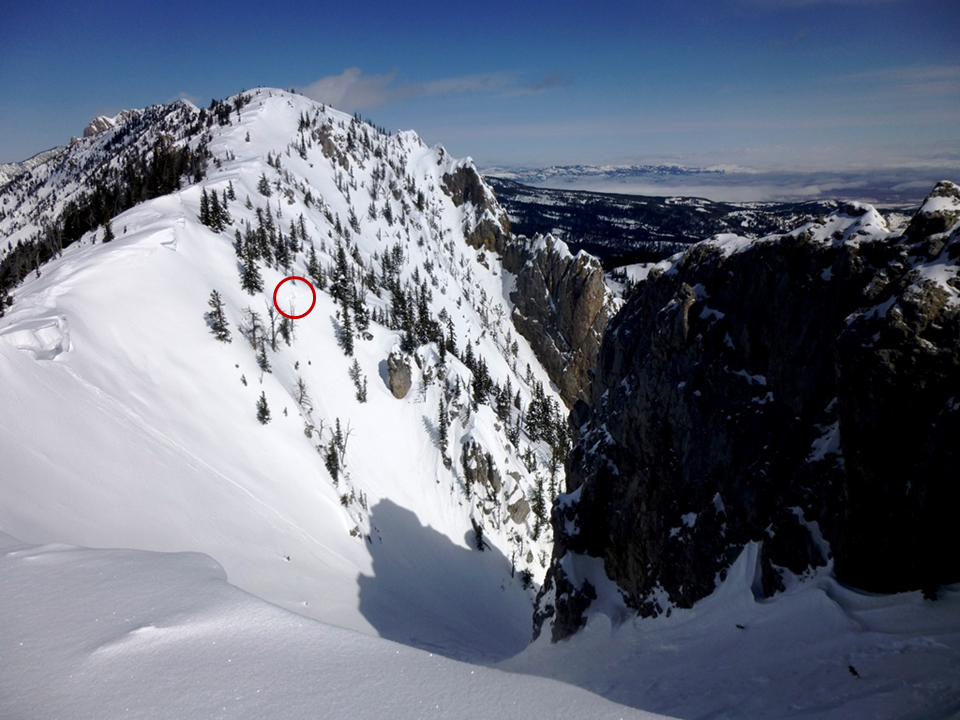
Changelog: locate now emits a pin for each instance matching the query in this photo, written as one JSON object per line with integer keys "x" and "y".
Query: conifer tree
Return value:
{"x": 539, "y": 507}
{"x": 282, "y": 253}
{"x": 272, "y": 315}
{"x": 332, "y": 461}
{"x": 252, "y": 326}
{"x": 361, "y": 315}
{"x": 286, "y": 330}
{"x": 250, "y": 279}
{"x": 303, "y": 396}
{"x": 263, "y": 411}
{"x": 359, "y": 381}
{"x": 340, "y": 277}
{"x": 315, "y": 270}
{"x": 346, "y": 330}
{"x": 443, "y": 429}
{"x": 263, "y": 186}
{"x": 263, "y": 362}
{"x": 215, "y": 213}
{"x": 204, "y": 207}
{"x": 217, "y": 319}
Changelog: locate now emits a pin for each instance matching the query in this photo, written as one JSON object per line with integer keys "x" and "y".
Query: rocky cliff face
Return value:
{"x": 562, "y": 304}
{"x": 802, "y": 391}
{"x": 488, "y": 226}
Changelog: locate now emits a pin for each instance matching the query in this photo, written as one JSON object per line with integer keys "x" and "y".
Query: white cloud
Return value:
{"x": 938, "y": 84}
{"x": 352, "y": 90}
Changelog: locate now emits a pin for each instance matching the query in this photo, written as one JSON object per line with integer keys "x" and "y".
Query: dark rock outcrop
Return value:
{"x": 802, "y": 392}
{"x": 562, "y": 307}
{"x": 519, "y": 510}
{"x": 561, "y": 303}
{"x": 479, "y": 468}
{"x": 486, "y": 225}
{"x": 399, "y": 374}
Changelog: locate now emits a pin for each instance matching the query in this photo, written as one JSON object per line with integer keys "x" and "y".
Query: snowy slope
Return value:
{"x": 123, "y": 633}
{"x": 124, "y": 423}
{"x": 819, "y": 650}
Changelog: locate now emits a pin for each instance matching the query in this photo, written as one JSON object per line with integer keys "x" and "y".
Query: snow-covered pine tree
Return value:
{"x": 263, "y": 362}
{"x": 359, "y": 381}
{"x": 204, "y": 207}
{"x": 250, "y": 278}
{"x": 346, "y": 329}
{"x": 263, "y": 410}
{"x": 217, "y": 319}
{"x": 443, "y": 429}
{"x": 263, "y": 186}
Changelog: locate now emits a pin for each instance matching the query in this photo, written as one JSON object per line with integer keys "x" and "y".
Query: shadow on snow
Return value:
{"x": 430, "y": 593}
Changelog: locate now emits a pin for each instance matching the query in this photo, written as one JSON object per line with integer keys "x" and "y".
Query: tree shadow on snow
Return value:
{"x": 432, "y": 594}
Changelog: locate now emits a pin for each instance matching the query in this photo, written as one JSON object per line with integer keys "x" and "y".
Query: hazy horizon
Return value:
{"x": 773, "y": 85}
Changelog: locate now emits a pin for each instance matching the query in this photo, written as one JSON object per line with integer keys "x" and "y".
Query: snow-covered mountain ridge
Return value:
{"x": 125, "y": 423}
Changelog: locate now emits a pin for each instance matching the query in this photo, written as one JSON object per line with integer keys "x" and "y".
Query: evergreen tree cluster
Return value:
{"x": 221, "y": 110}
{"x": 267, "y": 243}
{"x": 113, "y": 188}
{"x": 214, "y": 212}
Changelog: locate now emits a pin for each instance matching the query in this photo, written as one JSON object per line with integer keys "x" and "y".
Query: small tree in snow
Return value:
{"x": 443, "y": 430}
{"x": 478, "y": 537}
{"x": 303, "y": 396}
{"x": 263, "y": 411}
{"x": 263, "y": 186}
{"x": 217, "y": 319}
{"x": 359, "y": 381}
{"x": 263, "y": 362}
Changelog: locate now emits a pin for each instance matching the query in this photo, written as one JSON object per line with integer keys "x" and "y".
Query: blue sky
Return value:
{"x": 771, "y": 84}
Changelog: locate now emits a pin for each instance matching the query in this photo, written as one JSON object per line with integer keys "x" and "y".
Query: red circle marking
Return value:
{"x": 294, "y": 277}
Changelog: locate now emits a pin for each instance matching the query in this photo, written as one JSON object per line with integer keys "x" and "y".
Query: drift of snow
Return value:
{"x": 126, "y": 633}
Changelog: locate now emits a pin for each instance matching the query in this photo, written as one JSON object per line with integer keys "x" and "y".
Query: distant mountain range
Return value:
{"x": 733, "y": 183}
{"x": 572, "y": 173}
